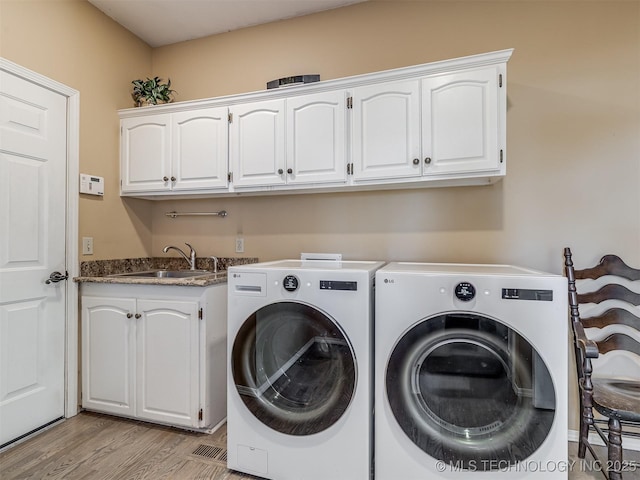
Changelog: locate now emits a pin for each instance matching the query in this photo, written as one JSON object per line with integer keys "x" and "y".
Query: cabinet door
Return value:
{"x": 168, "y": 361}
{"x": 460, "y": 122}
{"x": 108, "y": 355}
{"x": 316, "y": 138}
{"x": 199, "y": 149}
{"x": 144, "y": 156}
{"x": 386, "y": 131}
{"x": 257, "y": 146}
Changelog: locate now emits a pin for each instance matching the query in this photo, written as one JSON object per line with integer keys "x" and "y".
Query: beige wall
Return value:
{"x": 73, "y": 43}
{"x": 573, "y": 128}
{"x": 573, "y": 173}
{"x": 573, "y": 168}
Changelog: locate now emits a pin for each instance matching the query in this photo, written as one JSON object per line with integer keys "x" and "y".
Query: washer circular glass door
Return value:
{"x": 470, "y": 391}
{"x": 294, "y": 368}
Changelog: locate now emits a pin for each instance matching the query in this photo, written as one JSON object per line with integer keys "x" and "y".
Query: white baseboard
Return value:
{"x": 628, "y": 443}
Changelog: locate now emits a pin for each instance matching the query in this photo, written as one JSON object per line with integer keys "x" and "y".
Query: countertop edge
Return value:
{"x": 202, "y": 281}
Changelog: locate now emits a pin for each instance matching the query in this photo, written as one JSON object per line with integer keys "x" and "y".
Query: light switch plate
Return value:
{"x": 87, "y": 245}
{"x": 239, "y": 245}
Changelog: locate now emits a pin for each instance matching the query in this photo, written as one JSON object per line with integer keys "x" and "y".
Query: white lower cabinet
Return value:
{"x": 155, "y": 353}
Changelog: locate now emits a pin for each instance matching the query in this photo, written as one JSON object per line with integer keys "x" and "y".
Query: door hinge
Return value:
{"x": 200, "y": 314}
{"x": 230, "y": 176}
{"x": 200, "y": 415}
{"x": 500, "y": 80}
{"x": 230, "y": 117}
{"x": 349, "y": 102}
{"x": 501, "y": 156}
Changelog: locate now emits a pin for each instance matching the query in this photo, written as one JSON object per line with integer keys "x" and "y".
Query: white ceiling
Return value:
{"x": 163, "y": 22}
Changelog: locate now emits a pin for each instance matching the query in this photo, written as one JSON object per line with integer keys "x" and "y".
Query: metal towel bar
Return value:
{"x": 221, "y": 213}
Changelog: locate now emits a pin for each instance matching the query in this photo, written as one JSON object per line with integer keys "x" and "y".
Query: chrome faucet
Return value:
{"x": 191, "y": 258}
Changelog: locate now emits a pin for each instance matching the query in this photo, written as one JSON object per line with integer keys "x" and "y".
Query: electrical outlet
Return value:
{"x": 87, "y": 245}
{"x": 239, "y": 245}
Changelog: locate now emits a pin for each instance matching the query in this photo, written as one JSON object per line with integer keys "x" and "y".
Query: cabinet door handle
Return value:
{"x": 129, "y": 315}
{"x": 138, "y": 315}
{"x": 289, "y": 171}
{"x": 427, "y": 160}
{"x": 173, "y": 179}
{"x": 416, "y": 161}
{"x": 280, "y": 171}
{"x": 165, "y": 179}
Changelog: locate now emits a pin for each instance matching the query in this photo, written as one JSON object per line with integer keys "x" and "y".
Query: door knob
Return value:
{"x": 56, "y": 277}
{"x": 289, "y": 171}
{"x": 280, "y": 171}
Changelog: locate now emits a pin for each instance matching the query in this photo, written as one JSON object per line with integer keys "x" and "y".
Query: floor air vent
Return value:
{"x": 212, "y": 452}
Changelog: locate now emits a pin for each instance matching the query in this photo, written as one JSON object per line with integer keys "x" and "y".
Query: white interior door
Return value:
{"x": 33, "y": 194}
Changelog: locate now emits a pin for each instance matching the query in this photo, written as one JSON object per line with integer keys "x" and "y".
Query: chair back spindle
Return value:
{"x": 617, "y": 399}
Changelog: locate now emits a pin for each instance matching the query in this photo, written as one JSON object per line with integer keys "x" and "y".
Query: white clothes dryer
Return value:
{"x": 300, "y": 393}
{"x": 471, "y": 373}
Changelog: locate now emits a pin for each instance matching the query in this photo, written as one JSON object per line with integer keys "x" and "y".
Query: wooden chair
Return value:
{"x": 616, "y": 399}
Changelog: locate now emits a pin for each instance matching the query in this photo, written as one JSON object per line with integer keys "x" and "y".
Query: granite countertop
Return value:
{"x": 100, "y": 271}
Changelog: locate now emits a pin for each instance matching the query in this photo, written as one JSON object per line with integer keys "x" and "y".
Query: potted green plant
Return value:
{"x": 151, "y": 91}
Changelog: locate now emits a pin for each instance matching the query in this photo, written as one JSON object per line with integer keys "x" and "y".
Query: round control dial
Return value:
{"x": 290, "y": 283}
{"x": 465, "y": 291}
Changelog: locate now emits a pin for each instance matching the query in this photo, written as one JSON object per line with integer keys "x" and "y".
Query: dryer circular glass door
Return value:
{"x": 293, "y": 368}
{"x": 470, "y": 391}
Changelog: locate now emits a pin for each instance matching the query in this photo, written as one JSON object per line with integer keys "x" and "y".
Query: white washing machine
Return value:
{"x": 471, "y": 373}
{"x": 300, "y": 369}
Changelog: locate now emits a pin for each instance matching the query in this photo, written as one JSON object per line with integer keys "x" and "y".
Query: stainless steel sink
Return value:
{"x": 166, "y": 274}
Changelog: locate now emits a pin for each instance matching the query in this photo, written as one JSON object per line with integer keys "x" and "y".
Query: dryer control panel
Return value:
{"x": 338, "y": 285}
{"x": 527, "y": 294}
{"x": 290, "y": 283}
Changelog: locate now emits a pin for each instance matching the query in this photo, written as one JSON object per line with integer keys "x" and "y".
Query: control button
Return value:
{"x": 465, "y": 291}
{"x": 290, "y": 283}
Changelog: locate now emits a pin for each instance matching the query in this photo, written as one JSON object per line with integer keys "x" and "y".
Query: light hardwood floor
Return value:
{"x": 99, "y": 447}
{"x": 91, "y": 446}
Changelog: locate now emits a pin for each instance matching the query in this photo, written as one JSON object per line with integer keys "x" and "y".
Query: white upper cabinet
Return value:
{"x": 316, "y": 138}
{"x": 386, "y": 131}
{"x": 293, "y": 141}
{"x": 170, "y": 152}
{"x": 144, "y": 157}
{"x": 199, "y": 149}
{"x": 440, "y": 123}
{"x": 462, "y": 131}
{"x": 257, "y": 143}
